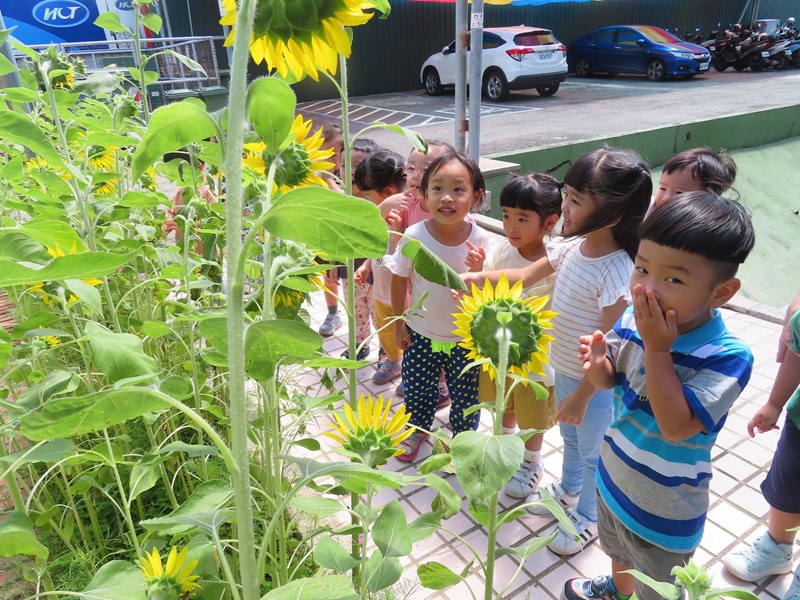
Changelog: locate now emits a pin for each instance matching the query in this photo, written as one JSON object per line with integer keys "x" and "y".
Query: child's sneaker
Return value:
{"x": 387, "y": 371}
{"x": 765, "y": 557}
{"x": 793, "y": 593}
{"x": 525, "y": 481}
{"x": 362, "y": 353}
{"x": 400, "y": 390}
{"x": 555, "y": 491}
{"x": 566, "y": 544}
{"x": 331, "y": 323}
{"x": 599, "y": 588}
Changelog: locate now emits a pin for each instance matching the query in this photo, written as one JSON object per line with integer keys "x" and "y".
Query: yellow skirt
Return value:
{"x": 531, "y": 413}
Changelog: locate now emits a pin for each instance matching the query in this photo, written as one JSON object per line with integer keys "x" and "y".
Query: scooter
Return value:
{"x": 779, "y": 54}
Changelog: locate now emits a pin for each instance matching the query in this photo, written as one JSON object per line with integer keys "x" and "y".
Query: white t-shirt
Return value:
{"x": 584, "y": 287}
{"x": 505, "y": 256}
{"x": 435, "y": 319}
{"x": 381, "y": 281}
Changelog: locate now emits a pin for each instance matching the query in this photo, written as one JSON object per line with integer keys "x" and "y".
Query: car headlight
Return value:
{"x": 683, "y": 54}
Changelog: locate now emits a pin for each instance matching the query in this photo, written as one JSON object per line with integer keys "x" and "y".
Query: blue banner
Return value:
{"x": 52, "y": 21}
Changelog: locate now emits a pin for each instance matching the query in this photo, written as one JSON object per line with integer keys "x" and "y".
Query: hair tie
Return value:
{"x": 560, "y": 185}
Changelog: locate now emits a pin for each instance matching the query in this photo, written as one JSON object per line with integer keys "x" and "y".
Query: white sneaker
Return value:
{"x": 525, "y": 481}
{"x": 793, "y": 593}
{"x": 565, "y": 543}
{"x": 556, "y": 492}
{"x": 765, "y": 557}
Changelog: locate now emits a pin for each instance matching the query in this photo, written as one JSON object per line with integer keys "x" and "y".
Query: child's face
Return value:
{"x": 576, "y": 209}
{"x": 682, "y": 281}
{"x": 378, "y": 196}
{"x": 356, "y": 156}
{"x": 450, "y": 195}
{"x": 674, "y": 184}
{"x": 525, "y": 229}
{"x": 416, "y": 166}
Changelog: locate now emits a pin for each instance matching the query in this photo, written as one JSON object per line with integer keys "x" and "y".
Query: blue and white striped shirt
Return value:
{"x": 659, "y": 489}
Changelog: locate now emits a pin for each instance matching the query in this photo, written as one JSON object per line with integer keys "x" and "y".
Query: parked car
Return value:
{"x": 637, "y": 49}
{"x": 514, "y": 58}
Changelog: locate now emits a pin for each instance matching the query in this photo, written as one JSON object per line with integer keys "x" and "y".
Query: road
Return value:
{"x": 582, "y": 109}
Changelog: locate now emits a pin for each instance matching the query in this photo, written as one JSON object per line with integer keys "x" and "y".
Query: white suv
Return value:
{"x": 514, "y": 58}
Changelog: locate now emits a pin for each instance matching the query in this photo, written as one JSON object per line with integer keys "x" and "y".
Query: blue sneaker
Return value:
{"x": 331, "y": 323}
{"x": 599, "y": 588}
{"x": 362, "y": 353}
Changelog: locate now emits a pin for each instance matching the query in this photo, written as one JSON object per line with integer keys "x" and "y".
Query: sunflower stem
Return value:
{"x": 500, "y": 407}
{"x": 235, "y": 300}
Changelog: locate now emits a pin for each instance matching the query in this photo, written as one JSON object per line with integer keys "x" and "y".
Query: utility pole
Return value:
{"x": 475, "y": 71}
{"x": 461, "y": 127}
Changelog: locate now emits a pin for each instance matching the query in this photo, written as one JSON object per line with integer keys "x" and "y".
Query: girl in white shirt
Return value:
{"x": 607, "y": 195}
{"x": 453, "y": 186}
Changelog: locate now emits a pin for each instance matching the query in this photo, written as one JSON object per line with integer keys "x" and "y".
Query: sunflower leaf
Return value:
{"x": 484, "y": 464}
{"x": 330, "y": 587}
{"x": 270, "y": 109}
{"x": 431, "y": 267}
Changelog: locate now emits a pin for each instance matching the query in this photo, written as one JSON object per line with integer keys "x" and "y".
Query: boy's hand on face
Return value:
{"x": 657, "y": 329}
{"x": 592, "y": 350}
{"x": 475, "y": 258}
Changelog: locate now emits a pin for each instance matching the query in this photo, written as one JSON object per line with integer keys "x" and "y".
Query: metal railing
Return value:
{"x": 119, "y": 55}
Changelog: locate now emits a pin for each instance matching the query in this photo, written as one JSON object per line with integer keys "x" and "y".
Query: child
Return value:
{"x": 452, "y": 186}
{"x": 408, "y": 208}
{"x": 771, "y": 552}
{"x": 379, "y": 176}
{"x": 607, "y": 195}
{"x": 332, "y": 134}
{"x": 531, "y": 206}
{"x": 677, "y": 371}
{"x": 695, "y": 170}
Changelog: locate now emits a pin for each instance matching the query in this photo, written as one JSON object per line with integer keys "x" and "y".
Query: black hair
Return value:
{"x": 702, "y": 223}
{"x": 538, "y": 192}
{"x": 380, "y": 170}
{"x": 475, "y": 175}
{"x": 620, "y": 184}
{"x": 713, "y": 170}
{"x": 365, "y": 145}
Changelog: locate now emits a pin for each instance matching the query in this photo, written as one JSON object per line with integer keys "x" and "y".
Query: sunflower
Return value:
{"x": 299, "y": 157}
{"x": 479, "y": 321}
{"x": 37, "y": 163}
{"x": 368, "y": 433}
{"x": 170, "y": 583}
{"x": 57, "y": 252}
{"x": 302, "y": 36}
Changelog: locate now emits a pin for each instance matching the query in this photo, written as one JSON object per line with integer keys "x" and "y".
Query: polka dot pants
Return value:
{"x": 421, "y": 370}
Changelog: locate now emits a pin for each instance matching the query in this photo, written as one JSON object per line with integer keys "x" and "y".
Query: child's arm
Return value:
{"x": 786, "y": 382}
{"x": 476, "y": 257}
{"x": 529, "y": 275}
{"x": 362, "y": 273}
{"x": 399, "y": 291}
{"x": 786, "y": 334}
{"x": 658, "y": 331}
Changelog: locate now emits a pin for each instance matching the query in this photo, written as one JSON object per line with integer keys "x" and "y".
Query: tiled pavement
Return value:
{"x": 737, "y": 512}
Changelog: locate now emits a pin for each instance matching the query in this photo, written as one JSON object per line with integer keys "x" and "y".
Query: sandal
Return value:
{"x": 411, "y": 446}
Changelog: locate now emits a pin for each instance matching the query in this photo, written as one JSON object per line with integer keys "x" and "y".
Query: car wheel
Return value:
{"x": 656, "y": 70}
{"x": 548, "y": 90}
{"x": 719, "y": 65}
{"x": 433, "y": 85}
{"x": 582, "y": 68}
{"x": 495, "y": 86}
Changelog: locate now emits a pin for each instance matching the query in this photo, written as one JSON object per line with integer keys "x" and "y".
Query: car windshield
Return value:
{"x": 535, "y": 38}
{"x": 658, "y": 36}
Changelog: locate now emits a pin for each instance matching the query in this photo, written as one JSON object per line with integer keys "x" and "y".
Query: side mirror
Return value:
{"x": 446, "y": 50}
{"x": 641, "y": 42}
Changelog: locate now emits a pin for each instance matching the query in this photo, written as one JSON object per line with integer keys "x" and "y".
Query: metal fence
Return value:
{"x": 173, "y": 75}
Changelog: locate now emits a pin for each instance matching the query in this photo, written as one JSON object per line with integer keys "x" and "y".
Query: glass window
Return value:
{"x": 659, "y": 36}
{"x": 603, "y": 37}
{"x": 535, "y": 38}
{"x": 490, "y": 40}
{"x": 628, "y": 37}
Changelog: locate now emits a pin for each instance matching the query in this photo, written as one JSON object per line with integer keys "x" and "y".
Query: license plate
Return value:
{"x": 704, "y": 66}
{"x": 765, "y": 54}
{"x": 545, "y": 55}
{"x": 787, "y": 52}
{"x": 712, "y": 48}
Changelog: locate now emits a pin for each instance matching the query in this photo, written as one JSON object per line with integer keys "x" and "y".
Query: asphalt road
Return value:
{"x": 582, "y": 109}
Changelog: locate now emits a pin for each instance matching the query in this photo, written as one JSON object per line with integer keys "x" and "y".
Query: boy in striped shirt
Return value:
{"x": 676, "y": 371}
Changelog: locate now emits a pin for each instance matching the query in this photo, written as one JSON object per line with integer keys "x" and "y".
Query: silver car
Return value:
{"x": 514, "y": 58}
